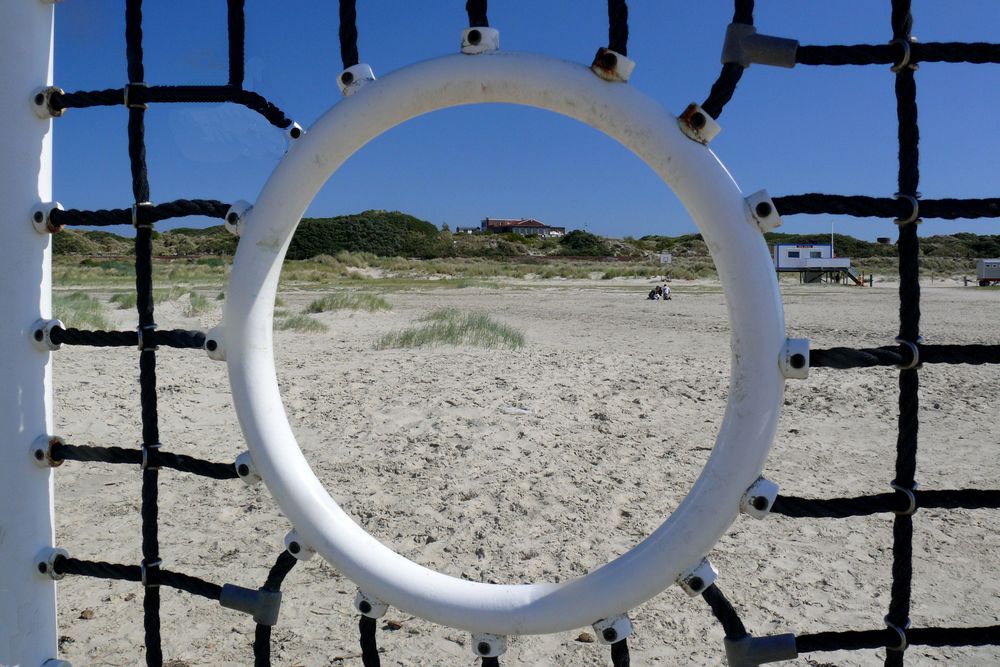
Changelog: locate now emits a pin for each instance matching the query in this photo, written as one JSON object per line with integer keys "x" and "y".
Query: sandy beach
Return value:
{"x": 618, "y": 400}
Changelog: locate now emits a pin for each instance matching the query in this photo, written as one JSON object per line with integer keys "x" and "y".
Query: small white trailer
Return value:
{"x": 988, "y": 271}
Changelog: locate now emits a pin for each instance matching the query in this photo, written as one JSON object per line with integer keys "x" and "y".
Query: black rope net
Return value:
{"x": 263, "y": 603}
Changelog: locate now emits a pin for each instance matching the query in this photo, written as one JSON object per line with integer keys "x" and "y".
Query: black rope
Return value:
{"x": 896, "y": 501}
{"x": 890, "y": 54}
{"x": 619, "y": 654}
{"x": 236, "y": 19}
{"x": 893, "y": 355}
{"x": 104, "y": 570}
{"x": 860, "y": 206}
{"x": 349, "y": 33}
{"x": 139, "y": 95}
{"x": 854, "y": 640}
{"x": 262, "y": 635}
{"x": 180, "y": 462}
{"x": 724, "y": 87}
{"x": 144, "y": 215}
{"x": 476, "y": 9}
{"x": 725, "y": 613}
{"x": 369, "y": 645}
{"x": 178, "y": 338}
{"x": 618, "y": 26}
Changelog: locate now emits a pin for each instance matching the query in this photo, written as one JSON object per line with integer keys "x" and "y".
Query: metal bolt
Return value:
{"x": 347, "y": 78}
{"x": 233, "y": 218}
{"x": 39, "y": 454}
{"x": 759, "y": 503}
{"x": 765, "y": 209}
{"x": 43, "y": 567}
{"x": 39, "y": 335}
{"x": 365, "y": 606}
{"x": 38, "y": 216}
{"x": 483, "y": 648}
{"x": 243, "y": 470}
{"x": 609, "y": 634}
{"x": 39, "y": 99}
{"x": 697, "y": 120}
{"x": 212, "y": 345}
{"x": 696, "y": 583}
{"x": 798, "y": 360}
{"x": 295, "y": 133}
{"x": 294, "y": 548}
{"x": 474, "y": 37}
{"x": 609, "y": 60}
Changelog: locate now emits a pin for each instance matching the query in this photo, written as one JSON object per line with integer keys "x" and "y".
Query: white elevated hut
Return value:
{"x": 813, "y": 262}
{"x": 988, "y": 271}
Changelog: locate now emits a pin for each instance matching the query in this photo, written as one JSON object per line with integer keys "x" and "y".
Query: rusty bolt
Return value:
{"x": 697, "y": 120}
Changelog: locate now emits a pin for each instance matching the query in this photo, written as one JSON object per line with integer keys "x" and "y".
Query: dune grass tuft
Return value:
{"x": 197, "y": 304}
{"x": 299, "y": 322}
{"x": 79, "y": 311}
{"x": 349, "y": 301}
{"x": 125, "y": 300}
{"x": 449, "y": 326}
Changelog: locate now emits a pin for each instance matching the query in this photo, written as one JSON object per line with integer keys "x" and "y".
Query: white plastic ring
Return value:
{"x": 744, "y": 265}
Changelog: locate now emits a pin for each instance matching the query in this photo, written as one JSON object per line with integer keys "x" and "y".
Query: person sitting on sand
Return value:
{"x": 653, "y": 296}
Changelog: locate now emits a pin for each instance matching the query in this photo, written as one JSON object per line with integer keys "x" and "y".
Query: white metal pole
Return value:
{"x": 27, "y": 599}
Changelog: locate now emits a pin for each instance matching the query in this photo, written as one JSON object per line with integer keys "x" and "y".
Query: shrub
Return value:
{"x": 299, "y": 323}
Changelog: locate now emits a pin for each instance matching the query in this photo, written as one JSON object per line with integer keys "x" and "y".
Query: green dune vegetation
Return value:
{"x": 449, "y": 326}
{"x": 389, "y": 250}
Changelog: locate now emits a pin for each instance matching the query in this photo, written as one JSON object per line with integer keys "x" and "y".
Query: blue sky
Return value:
{"x": 809, "y": 129}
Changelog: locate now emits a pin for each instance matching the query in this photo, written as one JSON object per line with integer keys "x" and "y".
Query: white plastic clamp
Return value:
{"x": 40, "y": 102}
{"x": 45, "y": 562}
{"x": 612, "y": 66}
{"x": 613, "y": 629}
{"x": 487, "y": 645}
{"x": 295, "y": 546}
{"x": 41, "y": 217}
{"x": 236, "y": 215}
{"x": 759, "y": 498}
{"x": 480, "y": 39}
{"x": 794, "y": 359}
{"x": 698, "y": 125}
{"x": 294, "y": 131}
{"x": 368, "y": 605}
{"x": 215, "y": 345}
{"x": 246, "y": 469}
{"x": 698, "y": 578}
{"x": 41, "y": 451}
{"x": 354, "y": 77}
{"x": 41, "y": 334}
{"x": 763, "y": 211}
